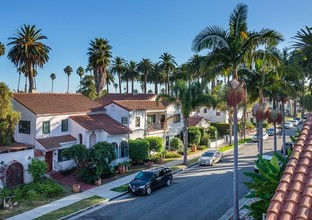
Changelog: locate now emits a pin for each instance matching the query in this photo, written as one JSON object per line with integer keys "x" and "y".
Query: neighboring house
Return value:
{"x": 293, "y": 196}
{"x": 197, "y": 121}
{"x": 215, "y": 115}
{"x": 54, "y": 122}
{"x": 143, "y": 115}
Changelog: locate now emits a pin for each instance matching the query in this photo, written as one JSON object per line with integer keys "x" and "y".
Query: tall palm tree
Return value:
{"x": 155, "y": 76}
{"x": 131, "y": 74}
{"x": 53, "y": 77}
{"x": 99, "y": 54}
{"x": 145, "y": 66}
{"x": 189, "y": 98}
{"x": 168, "y": 64}
{"x": 28, "y": 50}
{"x": 118, "y": 67}
{"x": 80, "y": 72}
{"x": 2, "y": 49}
{"x": 68, "y": 70}
{"x": 231, "y": 48}
{"x": 20, "y": 71}
{"x": 109, "y": 79}
{"x": 35, "y": 73}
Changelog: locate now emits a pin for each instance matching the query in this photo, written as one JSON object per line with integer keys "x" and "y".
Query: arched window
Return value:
{"x": 15, "y": 175}
{"x": 80, "y": 138}
{"x": 115, "y": 146}
{"x": 124, "y": 149}
{"x": 92, "y": 140}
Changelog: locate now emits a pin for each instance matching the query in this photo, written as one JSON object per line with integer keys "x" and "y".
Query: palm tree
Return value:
{"x": 20, "y": 71}
{"x": 35, "y": 73}
{"x": 68, "y": 70}
{"x": 53, "y": 77}
{"x": 99, "y": 59}
{"x": 168, "y": 64}
{"x": 109, "y": 79}
{"x": 230, "y": 48}
{"x": 115, "y": 86}
{"x": 2, "y": 49}
{"x": 88, "y": 87}
{"x": 118, "y": 67}
{"x": 80, "y": 72}
{"x": 131, "y": 73}
{"x": 155, "y": 76}
{"x": 145, "y": 66}
{"x": 189, "y": 98}
{"x": 28, "y": 50}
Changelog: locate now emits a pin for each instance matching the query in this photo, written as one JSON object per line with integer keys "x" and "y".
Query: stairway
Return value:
{"x": 55, "y": 175}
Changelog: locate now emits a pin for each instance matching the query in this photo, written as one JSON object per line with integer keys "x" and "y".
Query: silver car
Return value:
{"x": 210, "y": 157}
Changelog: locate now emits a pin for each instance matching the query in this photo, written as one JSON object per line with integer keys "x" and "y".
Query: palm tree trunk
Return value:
{"x": 119, "y": 82}
{"x": 185, "y": 139}
{"x": 274, "y": 124}
{"x": 127, "y": 86}
{"x": 52, "y": 85}
{"x": 235, "y": 177}
{"x": 283, "y": 129}
{"x": 25, "y": 90}
{"x": 68, "y": 84}
{"x": 132, "y": 85}
{"x": 156, "y": 88}
{"x": 19, "y": 80}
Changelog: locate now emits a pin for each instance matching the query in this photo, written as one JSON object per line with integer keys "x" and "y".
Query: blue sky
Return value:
{"x": 135, "y": 29}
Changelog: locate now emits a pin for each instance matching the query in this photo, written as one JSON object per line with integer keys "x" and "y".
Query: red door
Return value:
{"x": 48, "y": 159}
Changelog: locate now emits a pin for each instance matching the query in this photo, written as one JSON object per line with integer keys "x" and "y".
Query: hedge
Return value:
{"x": 138, "y": 150}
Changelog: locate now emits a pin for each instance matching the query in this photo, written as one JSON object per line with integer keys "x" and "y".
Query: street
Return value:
{"x": 199, "y": 192}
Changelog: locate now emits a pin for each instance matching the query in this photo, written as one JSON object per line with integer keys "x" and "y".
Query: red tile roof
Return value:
{"x": 101, "y": 121}
{"x": 194, "y": 120}
{"x": 38, "y": 153}
{"x": 15, "y": 147}
{"x": 110, "y": 97}
{"x": 50, "y": 103}
{"x": 293, "y": 196}
{"x": 140, "y": 105}
{"x": 51, "y": 143}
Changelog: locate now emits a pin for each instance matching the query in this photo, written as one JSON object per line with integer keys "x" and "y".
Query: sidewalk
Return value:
{"x": 103, "y": 191}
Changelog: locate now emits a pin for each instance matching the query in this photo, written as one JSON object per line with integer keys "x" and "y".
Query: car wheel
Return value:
{"x": 168, "y": 183}
{"x": 148, "y": 190}
{"x": 212, "y": 163}
{"x": 222, "y": 158}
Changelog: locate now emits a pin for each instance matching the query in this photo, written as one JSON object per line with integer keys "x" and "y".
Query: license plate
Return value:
{"x": 133, "y": 190}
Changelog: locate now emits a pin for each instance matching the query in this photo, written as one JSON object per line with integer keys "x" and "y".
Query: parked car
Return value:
{"x": 265, "y": 136}
{"x": 270, "y": 131}
{"x": 295, "y": 122}
{"x": 288, "y": 145}
{"x": 265, "y": 157}
{"x": 289, "y": 124}
{"x": 211, "y": 157}
{"x": 147, "y": 180}
{"x": 300, "y": 120}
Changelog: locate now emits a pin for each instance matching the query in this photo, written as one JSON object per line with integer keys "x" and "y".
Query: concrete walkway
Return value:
{"x": 102, "y": 191}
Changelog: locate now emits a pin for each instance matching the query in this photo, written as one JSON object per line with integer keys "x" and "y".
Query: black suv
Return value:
{"x": 147, "y": 180}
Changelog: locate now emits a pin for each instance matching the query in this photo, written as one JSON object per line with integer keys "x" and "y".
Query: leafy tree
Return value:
{"x": 99, "y": 54}
{"x": 264, "y": 183}
{"x": 118, "y": 67}
{"x": 53, "y": 77}
{"x": 176, "y": 144}
{"x": 28, "y": 50}
{"x": 155, "y": 143}
{"x": 8, "y": 117}
{"x": 37, "y": 168}
{"x": 87, "y": 87}
{"x": 78, "y": 152}
{"x": 68, "y": 70}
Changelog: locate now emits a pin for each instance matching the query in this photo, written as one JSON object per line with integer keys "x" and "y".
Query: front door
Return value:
{"x": 48, "y": 159}
{"x": 14, "y": 175}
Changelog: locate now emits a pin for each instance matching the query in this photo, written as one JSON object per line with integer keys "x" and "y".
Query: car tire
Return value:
{"x": 148, "y": 191}
{"x": 212, "y": 163}
{"x": 168, "y": 182}
{"x": 222, "y": 158}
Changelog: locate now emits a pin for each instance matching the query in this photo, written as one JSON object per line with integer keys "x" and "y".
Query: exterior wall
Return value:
{"x": 75, "y": 129}
{"x": 173, "y": 128}
{"x": 23, "y": 157}
{"x": 116, "y": 112}
{"x": 27, "y": 116}
{"x": 211, "y": 115}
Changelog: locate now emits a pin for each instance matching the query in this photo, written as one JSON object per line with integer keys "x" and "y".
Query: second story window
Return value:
{"x": 205, "y": 110}
{"x": 137, "y": 122}
{"x": 124, "y": 120}
{"x": 24, "y": 127}
{"x": 64, "y": 125}
{"x": 46, "y": 127}
{"x": 177, "y": 118}
{"x": 218, "y": 113}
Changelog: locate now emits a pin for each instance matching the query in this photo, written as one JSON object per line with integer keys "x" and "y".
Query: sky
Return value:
{"x": 135, "y": 29}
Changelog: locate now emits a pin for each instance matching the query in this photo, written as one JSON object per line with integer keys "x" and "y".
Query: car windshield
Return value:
{"x": 208, "y": 154}
{"x": 144, "y": 175}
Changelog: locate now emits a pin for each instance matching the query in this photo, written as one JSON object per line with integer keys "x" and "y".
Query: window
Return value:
{"x": 205, "y": 110}
{"x": 24, "y": 127}
{"x": 46, "y": 127}
{"x": 124, "y": 120}
{"x": 218, "y": 113}
{"x": 151, "y": 119}
{"x": 177, "y": 118}
{"x": 137, "y": 121}
{"x": 65, "y": 125}
{"x": 61, "y": 157}
{"x": 123, "y": 149}
{"x": 115, "y": 146}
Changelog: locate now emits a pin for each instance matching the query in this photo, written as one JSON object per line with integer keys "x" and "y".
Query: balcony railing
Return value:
{"x": 155, "y": 126}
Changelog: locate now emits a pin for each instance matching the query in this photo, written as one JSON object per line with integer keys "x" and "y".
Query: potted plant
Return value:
{"x": 76, "y": 187}
{"x": 121, "y": 168}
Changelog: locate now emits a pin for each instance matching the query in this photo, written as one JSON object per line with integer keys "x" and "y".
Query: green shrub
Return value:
{"x": 194, "y": 136}
{"x": 205, "y": 140}
{"x": 212, "y": 132}
{"x": 176, "y": 144}
{"x": 138, "y": 150}
{"x": 201, "y": 147}
{"x": 172, "y": 154}
{"x": 155, "y": 143}
{"x": 223, "y": 128}
{"x": 37, "y": 168}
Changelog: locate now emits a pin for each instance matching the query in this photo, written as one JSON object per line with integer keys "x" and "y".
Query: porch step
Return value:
{"x": 56, "y": 175}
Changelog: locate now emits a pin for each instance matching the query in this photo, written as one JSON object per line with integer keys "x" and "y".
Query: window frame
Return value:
{"x": 137, "y": 122}
{"x": 177, "y": 118}
{"x": 24, "y": 127}
{"x": 124, "y": 120}
{"x": 63, "y": 123}
{"x": 44, "y": 124}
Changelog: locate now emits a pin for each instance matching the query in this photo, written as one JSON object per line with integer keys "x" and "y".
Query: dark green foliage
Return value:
{"x": 77, "y": 152}
{"x": 171, "y": 154}
{"x": 205, "y": 141}
{"x": 176, "y": 144}
{"x": 155, "y": 143}
{"x": 223, "y": 128}
{"x": 194, "y": 136}
{"x": 37, "y": 168}
{"x": 138, "y": 150}
{"x": 212, "y": 132}
{"x": 264, "y": 183}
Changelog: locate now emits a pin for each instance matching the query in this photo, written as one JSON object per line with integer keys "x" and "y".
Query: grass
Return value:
{"x": 123, "y": 188}
{"x": 77, "y": 206}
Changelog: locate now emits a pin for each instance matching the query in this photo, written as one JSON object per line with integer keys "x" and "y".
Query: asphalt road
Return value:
{"x": 196, "y": 193}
